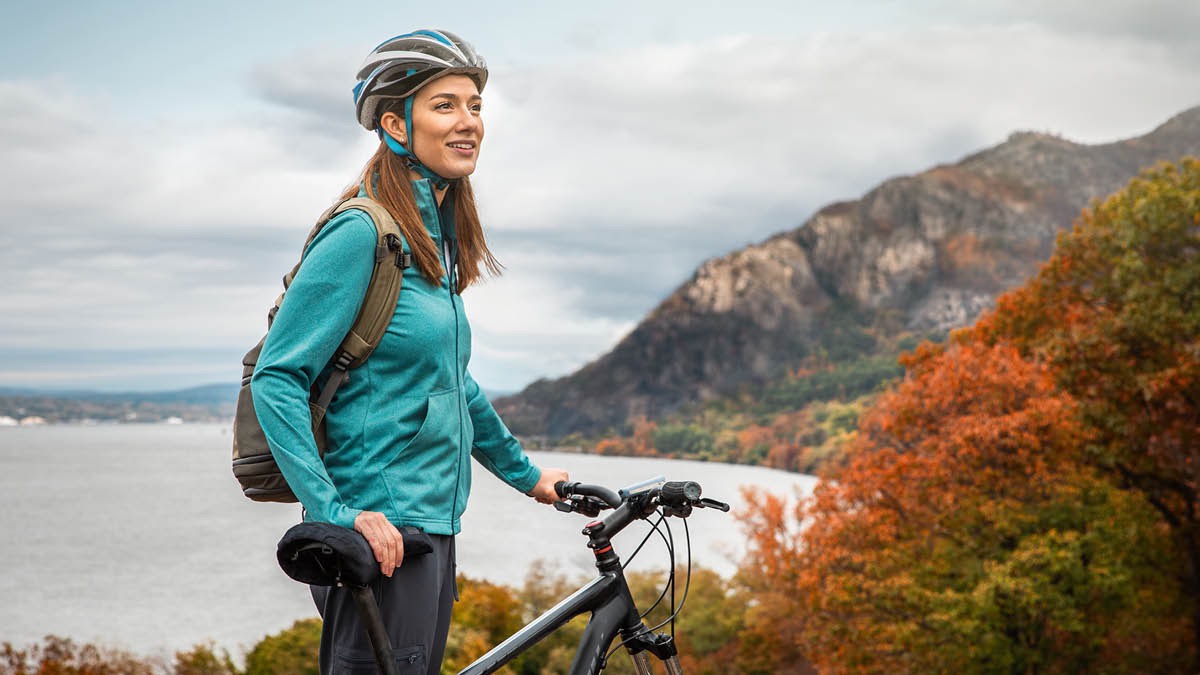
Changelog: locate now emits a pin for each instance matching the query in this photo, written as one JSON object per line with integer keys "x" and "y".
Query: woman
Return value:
{"x": 401, "y": 430}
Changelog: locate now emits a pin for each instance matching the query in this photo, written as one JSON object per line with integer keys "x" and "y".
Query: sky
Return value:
{"x": 161, "y": 163}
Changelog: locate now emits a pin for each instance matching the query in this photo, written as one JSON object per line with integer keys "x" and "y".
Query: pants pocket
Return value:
{"x": 409, "y": 661}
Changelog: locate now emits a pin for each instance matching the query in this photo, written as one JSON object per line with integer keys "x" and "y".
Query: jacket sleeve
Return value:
{"x": 495, "y": 447}
{"x": 317, "y": 311}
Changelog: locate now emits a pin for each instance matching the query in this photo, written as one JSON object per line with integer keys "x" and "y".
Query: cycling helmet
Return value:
{"x": 400, "y": 66}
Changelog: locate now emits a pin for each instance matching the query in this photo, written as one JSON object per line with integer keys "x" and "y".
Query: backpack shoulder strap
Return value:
{"x": 379, "y": 303}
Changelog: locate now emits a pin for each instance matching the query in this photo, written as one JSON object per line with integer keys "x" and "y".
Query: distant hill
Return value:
{"x": 208, "y": 403}
{"x": 914, "y": 257}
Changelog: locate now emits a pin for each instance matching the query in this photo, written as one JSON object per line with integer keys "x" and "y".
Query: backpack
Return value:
{"x": 253, "y": 464}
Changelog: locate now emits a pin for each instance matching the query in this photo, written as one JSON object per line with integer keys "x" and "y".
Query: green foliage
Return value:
{"x": 797, "y": 423}
{"x": 845, "y": 334}
{"x": 1061, "y": 598}
{"x": 204, "y": 660}
{"x": 293, "y": 651}
{"x": 844, "y": 382}
{"x": 683, "y": 440}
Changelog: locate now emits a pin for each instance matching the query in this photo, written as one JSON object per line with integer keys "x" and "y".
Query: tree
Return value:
{"x": 1115, "y": 314}
{"x": 485, "y": 614}
{"x": 203, "y": 659}
{"x": 963, "y": 535}
{"x": 293, "y": 651}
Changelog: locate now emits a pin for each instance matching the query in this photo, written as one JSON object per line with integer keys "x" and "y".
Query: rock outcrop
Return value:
{"x": 922, "y": 254}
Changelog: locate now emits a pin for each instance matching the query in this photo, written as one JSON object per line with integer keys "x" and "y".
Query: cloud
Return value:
{"x": 316, "y": 85}
{"x": 1161, "y": 22}
{"x": 603, "y": 182}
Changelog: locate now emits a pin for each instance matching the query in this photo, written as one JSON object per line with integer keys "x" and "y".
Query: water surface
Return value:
{"x": 138, "y": 536}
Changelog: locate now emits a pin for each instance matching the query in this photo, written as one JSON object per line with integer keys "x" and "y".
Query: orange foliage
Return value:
{"x": 639, "y": 444}
{"x": 963, "y": 478}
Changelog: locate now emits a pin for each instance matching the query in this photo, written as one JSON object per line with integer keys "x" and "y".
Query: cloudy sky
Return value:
{"x": 160, "y": 163}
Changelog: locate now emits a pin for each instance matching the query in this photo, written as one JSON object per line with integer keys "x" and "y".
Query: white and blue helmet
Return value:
{"x": 400, "y": 66}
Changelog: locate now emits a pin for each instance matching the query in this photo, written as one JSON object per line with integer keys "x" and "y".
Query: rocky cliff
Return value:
{"x": 919, "y": 254}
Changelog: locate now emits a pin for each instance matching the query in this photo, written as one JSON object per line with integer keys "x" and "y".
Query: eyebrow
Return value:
{"x": 454, "y": 97}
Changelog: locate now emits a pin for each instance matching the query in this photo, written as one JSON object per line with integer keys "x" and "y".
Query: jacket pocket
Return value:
{"x": 439, "y": 426}
{"x": 420, "y": 475}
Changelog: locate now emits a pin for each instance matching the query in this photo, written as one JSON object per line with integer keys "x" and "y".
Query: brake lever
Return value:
{"x": 585, "y": 505}
{"x": 706, "y": 503}
{"x": 588, "y": 508}
{"x": 677, "y": 511}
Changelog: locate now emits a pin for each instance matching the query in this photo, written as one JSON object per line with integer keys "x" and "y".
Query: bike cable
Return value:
{"x": 670, "y": 541}
{"x": 687, "y": 583}
{"x": 653, "y": 529}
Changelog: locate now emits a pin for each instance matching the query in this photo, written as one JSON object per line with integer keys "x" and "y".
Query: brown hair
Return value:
{"x": 387, "y": 181}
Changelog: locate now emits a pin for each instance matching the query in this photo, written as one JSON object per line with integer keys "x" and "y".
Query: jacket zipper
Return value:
{"x": 448, "y": 255}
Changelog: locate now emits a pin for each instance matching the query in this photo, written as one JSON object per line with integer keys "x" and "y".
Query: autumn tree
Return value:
{"x": 1115, "y": 314}
{"x": 963, "y": 535}
{"x": 63, "y": 656}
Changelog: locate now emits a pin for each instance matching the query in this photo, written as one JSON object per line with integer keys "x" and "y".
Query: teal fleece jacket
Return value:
{"x": 402, "y": 429}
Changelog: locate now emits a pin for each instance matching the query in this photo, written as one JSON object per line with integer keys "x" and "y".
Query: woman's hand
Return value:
{"x": 384, "y": 538}
{"x": 544, "y": 490}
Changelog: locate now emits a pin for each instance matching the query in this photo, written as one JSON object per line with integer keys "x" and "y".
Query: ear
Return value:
{"x": 393, "y": 124}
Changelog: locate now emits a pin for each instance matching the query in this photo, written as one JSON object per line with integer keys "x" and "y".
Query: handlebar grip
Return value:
{"x": 576, "y": 490}
{"x": 679, "y": 493}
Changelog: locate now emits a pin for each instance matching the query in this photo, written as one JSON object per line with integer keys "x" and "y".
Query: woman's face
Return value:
{"x": 447, "y": 127}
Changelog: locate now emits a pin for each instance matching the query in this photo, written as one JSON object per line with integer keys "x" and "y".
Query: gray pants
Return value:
{"x": 415, "y": 604}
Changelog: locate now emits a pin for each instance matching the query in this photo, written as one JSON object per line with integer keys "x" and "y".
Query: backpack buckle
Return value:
{"x": 403, "y": 260}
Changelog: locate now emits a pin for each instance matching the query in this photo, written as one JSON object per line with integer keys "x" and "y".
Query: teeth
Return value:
{"x": 464, "y": 146}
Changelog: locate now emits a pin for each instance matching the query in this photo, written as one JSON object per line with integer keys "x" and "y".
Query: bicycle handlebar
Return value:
{"x": 567, "y": 490}
{"x": 677, "y": 497}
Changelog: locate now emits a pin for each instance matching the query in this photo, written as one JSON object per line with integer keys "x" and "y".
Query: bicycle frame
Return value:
{"x": 613, "y": 611}
{"x": 608, "y": 599}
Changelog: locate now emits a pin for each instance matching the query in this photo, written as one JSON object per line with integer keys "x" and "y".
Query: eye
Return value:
{"x": 444, "y": 105}
{"x": 476, "y": 108}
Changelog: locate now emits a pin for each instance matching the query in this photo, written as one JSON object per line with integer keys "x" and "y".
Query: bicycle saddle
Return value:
{"x": 324, "y": 554}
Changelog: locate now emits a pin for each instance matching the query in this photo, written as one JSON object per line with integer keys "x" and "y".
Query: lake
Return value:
{"x": 137, "y": 536}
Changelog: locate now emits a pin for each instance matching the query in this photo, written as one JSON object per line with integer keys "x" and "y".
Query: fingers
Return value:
{"x": 544, "y": 492}
{"x": 386, "y": 542}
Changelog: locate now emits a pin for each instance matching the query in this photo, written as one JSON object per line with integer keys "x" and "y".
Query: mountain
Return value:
{"x": 917, "y": 255}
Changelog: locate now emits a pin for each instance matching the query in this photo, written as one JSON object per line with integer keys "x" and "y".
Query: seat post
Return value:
{"x": 368, "y": 611}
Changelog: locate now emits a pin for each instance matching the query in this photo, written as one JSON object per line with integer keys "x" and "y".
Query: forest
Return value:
{"x": 1020, "y": 497}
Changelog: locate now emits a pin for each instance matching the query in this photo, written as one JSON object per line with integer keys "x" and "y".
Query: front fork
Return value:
{"x": 644, "y": 643}
{"x": 641, "y": 664}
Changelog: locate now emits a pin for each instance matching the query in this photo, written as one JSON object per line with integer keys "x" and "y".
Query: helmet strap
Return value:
{"x": 409, "y": 158}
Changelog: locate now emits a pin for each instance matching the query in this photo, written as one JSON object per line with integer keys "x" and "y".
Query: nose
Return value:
{"x": 468, "y": 121}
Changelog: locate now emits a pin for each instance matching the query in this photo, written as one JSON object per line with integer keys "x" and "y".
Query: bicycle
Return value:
{"x": 607, "y": 598}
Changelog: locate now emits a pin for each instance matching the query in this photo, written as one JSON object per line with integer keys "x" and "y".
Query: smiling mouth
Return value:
{"x": 462, "y": 146}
